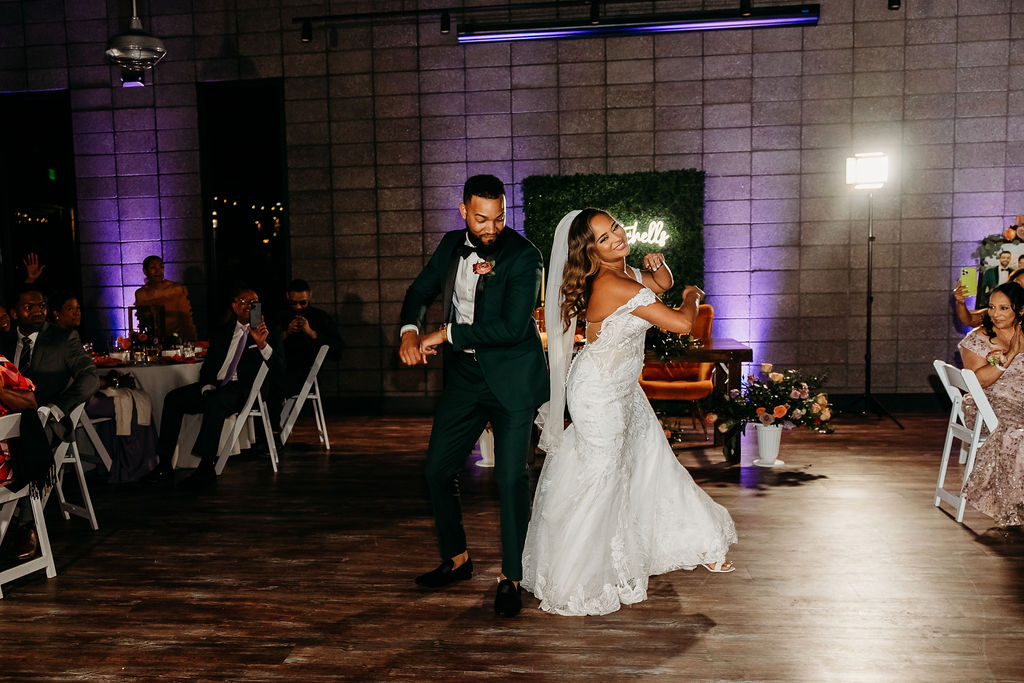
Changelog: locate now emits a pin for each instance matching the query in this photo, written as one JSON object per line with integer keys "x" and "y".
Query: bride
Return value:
{"x": 613, "y": 506}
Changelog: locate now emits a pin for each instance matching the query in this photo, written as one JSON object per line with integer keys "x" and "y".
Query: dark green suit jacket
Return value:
{"x": 503, "y": 332}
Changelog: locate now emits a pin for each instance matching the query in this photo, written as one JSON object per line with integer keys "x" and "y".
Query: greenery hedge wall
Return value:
{"x": 675, "y": 198}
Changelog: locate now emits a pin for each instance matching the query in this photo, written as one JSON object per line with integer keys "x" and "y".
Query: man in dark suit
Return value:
{"x": 225, "y": 380}
{"x": 495, "y": 372}
{"x": 51, "y": 356}
{"x": 63, "y": 373}
{"x": 305, "y": 329}
{"x": 992, "y": 278}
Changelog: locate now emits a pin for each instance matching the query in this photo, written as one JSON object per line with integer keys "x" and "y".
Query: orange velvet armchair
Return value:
{"x": 684, "y": 381}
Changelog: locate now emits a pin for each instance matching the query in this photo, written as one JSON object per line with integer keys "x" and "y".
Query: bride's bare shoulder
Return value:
{"x": 607, "y": 293}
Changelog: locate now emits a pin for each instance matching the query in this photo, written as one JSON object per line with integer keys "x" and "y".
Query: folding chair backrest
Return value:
{"x": 985, "y": 412}
{"x": 242, "y": 417}
{"x": 307, "y": 392}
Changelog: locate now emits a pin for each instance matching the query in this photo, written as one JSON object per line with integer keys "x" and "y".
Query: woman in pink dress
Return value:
{"x": 993, "y": 351}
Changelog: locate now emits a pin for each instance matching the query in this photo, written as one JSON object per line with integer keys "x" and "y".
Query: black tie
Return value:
{"x": 464, "y": 250}
{"x": 26, "y": 355}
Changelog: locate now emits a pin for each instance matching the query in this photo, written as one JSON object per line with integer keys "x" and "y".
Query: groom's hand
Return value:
{"x": 430, "y": 342}
{"x": 409, "y": 351}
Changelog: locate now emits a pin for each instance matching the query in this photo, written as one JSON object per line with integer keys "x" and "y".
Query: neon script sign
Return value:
{"x": 654, "y": 234}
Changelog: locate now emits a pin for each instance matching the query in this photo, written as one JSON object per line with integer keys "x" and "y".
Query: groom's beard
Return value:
{"x": 485, "y": 250}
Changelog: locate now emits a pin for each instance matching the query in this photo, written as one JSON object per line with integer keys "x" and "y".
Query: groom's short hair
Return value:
{"x": 485, "y": 186}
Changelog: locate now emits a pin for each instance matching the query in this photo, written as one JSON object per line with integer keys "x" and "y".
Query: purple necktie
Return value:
{"x": 239, "y": 350}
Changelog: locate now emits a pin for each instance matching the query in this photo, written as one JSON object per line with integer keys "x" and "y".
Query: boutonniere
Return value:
{"x": 484, "y": 268}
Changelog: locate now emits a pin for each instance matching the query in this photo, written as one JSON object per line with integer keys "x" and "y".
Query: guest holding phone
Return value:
{"x": 305, "y": 329}
{"x": 237, "y": 350}
{"x": 973, "y": 318}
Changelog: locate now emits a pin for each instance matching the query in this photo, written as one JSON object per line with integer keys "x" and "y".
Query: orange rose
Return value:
{"x": 760, "y": 411}
{"x": 780, "y": 411}
{"x": 1009, "y": 234}
{"x": 668, "y": 433}
{"x": 776, "y": 376}
{"x": 711, "y": 418}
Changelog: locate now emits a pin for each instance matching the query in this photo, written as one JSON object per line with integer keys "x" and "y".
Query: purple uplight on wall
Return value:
{"x": 793, "y": 15}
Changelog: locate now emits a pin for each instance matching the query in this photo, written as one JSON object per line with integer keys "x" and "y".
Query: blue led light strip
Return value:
{"x": 806, "y": 15}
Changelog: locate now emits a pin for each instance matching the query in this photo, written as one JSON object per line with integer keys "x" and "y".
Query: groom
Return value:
{"x": 495, "y": 372}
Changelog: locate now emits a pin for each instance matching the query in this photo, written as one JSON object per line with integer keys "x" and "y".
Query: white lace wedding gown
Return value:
{"x": 613, "y": 505}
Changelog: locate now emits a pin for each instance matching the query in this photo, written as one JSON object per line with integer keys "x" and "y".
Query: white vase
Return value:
{"x": 486, "y": 449}
{"x": 768, "y": 439}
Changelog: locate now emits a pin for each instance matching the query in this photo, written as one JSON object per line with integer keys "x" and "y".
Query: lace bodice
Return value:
{"x": 618, "y": 352}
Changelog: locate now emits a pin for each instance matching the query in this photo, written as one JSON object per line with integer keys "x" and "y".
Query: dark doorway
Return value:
{"x": 241, "y": 143}
{"x": 37, "y": 191}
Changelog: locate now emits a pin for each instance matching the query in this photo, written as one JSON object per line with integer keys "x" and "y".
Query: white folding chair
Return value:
{"x": 959, "y": 384}
{"x": 254, "y": 406}
{"x": 85, "y": 423}
{"x": 310, "y": 392}
{"x": 10, "y": 427}
{"x": 68, "y": 454}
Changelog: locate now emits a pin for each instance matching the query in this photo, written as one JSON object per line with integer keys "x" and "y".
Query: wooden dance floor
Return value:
{"x": 846, "y": 572}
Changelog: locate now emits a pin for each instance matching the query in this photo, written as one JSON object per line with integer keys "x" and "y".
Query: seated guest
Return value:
{"x": 66, "y": 311}
{"x": 171, "y": 296}
{"x": 225, "y": 380}
{"x": 53, "y": 359}
{"x": 51, "y": 356}
{"x": 993, "y": 351}
{"x": 305, "y": 329}
{"x": 972, "y": 318}
{"x": 5, "y": 320}
{"x": 16, "y": 395}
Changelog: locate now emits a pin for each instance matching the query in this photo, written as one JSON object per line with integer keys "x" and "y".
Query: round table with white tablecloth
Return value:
{"x": 158, "y": 380}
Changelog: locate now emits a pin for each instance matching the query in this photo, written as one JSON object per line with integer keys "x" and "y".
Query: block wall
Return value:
{"x": 385, "y": 122}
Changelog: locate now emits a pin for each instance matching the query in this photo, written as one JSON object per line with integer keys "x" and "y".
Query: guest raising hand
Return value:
{"x": 993, "y": 351}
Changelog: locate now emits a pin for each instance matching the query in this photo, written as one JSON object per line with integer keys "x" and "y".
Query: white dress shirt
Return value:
{"x": 239, "y": 336}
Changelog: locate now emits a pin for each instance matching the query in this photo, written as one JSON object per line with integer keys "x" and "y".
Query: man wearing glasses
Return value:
{"x": 64, "y": 376}
{"x": 237, "y": 350}
{"x": 305, "y": 329}
{"x": 51, "y": 356}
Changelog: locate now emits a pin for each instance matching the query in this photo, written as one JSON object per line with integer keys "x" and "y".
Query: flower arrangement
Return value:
{"x": 789, "y": 398}
{"x": 665, "y": 346}
{"x": 991, "y": 245}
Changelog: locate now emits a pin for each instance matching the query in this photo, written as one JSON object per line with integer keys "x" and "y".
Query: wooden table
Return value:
{"x": 728, "y": 355}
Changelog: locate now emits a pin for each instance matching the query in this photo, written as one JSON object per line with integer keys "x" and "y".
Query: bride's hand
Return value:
{"x": 693, "y": 292}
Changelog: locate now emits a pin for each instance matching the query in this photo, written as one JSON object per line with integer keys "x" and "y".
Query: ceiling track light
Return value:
{"x": 446, "y": 22}
{"x": 307, "y": 32}
{"x": 745, "y": 8}
{"x": 595, "y": 12}
{"x": 894, "y": 4}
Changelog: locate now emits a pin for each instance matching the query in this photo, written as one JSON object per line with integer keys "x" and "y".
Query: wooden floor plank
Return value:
{"x": 846, "y": 571}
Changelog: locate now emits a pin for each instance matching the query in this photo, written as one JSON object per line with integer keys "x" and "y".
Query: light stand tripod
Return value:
{"x": 871, "y": 404}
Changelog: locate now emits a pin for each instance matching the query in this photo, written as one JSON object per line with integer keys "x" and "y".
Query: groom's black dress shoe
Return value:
{"x": 508, "y": 601}
{"x": 446, "y": 574}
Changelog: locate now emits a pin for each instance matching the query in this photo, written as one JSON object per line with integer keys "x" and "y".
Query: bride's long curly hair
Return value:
{"x": 581, "y": 265}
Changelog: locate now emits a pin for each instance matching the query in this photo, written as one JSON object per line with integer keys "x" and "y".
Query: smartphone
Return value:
{"x": 255, "y": 315}
{"x": 969, "y": 280}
